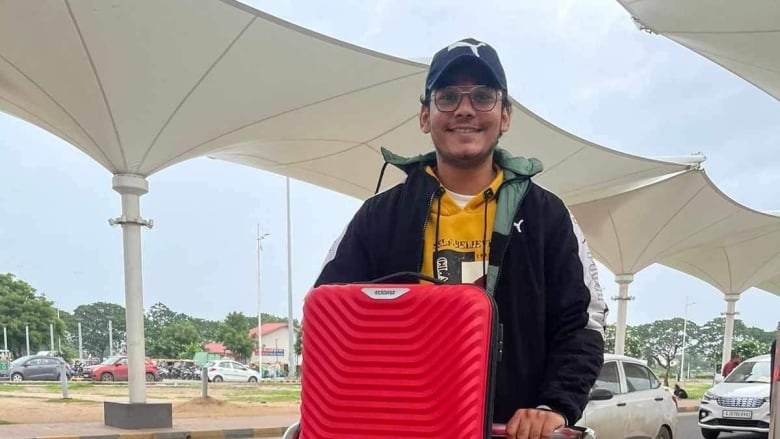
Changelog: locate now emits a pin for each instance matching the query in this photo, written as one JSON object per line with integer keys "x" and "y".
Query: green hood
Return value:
{"x": 517, "y": 181}
{"x": 519, "y": 166}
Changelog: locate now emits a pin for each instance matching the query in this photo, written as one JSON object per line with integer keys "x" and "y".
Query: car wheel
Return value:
{"x": 710, "y": 434}
{"x": 664, "y": 433}
{"x": 217, "y": 379}
{"x": 252, "y": 379}
{"x": 17, "y": 377}
{"x": 150, "y": 377}
{"x": 107, "y": 377}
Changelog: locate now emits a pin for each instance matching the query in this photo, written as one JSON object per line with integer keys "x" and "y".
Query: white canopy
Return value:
{"x": 684, "y": 222}
{"x": 741, "y": 36}
{"x": 345, "y": 157}
{"x": 738, "y": 261}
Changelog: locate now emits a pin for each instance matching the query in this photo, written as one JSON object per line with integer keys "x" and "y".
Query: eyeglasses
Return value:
{"x": 482, "y": 97}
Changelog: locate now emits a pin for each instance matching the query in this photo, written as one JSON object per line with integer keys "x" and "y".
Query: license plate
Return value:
{"x": 739, "y": 414}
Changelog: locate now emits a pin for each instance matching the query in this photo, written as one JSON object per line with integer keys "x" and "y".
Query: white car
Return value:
{"x": 628, "y": 401}
{"x": 228, "y": 370}
{"x": 740, "y": 402}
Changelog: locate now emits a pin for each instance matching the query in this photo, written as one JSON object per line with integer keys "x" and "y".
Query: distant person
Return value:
{"x": 679, "y": 392}
{"x": 732, "y": 364}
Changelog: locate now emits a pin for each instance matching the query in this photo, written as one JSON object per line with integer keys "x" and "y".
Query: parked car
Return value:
{"x": 228, "y": 370}
{"x": 628, "y": 401}
{"x": 115, "y": 369}
{"x": 38, "y": 367}
{"x": 740, "y": 402}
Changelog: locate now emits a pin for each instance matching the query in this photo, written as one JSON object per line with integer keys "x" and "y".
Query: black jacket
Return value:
{"x": 553, "y": 322}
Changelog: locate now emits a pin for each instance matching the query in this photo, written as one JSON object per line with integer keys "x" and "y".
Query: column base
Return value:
{"x": 134, "y": 416}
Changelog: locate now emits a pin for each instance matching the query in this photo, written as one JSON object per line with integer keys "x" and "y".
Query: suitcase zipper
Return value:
{"x": 439, "y": 191}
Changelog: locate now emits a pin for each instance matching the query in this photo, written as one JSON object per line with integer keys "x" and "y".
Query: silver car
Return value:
{"x": 38, "y": 367}
{"x": 740, "y": 402}
{"x": 228, "y": 370}
{"x": 628, "y": 401}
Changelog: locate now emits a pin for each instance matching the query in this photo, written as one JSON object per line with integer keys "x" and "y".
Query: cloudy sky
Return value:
{"x": 582, "y": 65}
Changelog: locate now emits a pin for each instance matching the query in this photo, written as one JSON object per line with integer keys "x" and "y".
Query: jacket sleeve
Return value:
{"x": 575, "y": 320}
{"x": 348, "y": 260}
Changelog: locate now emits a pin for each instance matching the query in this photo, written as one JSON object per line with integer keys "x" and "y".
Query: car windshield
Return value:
{"x": 110, "y": 361}
{"x": 750, "y": 372}
{"x": 21, "y": 360}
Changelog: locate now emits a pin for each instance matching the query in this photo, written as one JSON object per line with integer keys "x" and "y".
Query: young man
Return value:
{"x": 469, "y": 213}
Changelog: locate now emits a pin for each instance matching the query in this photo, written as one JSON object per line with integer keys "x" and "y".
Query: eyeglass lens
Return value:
{"x": 483, "y": 98}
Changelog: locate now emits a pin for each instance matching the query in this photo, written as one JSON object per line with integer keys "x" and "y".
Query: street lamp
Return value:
{"x": 685, "y": 333}
{"x": 259, "y": 317}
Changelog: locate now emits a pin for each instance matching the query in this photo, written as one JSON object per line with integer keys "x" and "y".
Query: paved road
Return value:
{"x": 687, "y": 429}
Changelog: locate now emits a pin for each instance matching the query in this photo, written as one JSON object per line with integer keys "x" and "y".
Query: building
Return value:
{"x": 275, "y": 340}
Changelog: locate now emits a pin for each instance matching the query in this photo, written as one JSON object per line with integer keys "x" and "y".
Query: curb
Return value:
{"x": 235, "y": 433}
{"x": 689, "y": 409}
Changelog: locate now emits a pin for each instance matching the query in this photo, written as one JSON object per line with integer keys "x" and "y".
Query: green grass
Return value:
{"x": 696, "y": 390}
{"x": 282, "y": 395}
{"x": 5, "y": 422}
{"x": 11, "y": 388}
{"x": 71, "y": 386}
{"x": 71, "y": 400}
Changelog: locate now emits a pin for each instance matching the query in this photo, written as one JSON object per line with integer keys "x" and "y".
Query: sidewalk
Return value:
{"x": 193, "y": 428}
{"x": 687, "y": 405}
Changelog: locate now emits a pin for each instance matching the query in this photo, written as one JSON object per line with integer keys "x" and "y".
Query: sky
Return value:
{"x": 582, "y": 65}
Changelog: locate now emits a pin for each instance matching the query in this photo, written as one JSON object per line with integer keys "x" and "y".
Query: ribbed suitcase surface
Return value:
{"x": 397, "y": 361}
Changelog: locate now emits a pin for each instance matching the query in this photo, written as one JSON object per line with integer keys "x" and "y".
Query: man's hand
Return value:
{"x": 533, "y": 424}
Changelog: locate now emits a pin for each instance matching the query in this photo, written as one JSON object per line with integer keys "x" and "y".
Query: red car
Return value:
{"x": 115, "y": 369}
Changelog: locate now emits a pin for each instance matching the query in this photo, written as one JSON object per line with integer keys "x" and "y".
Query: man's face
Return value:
{"x": 464, "y": 137}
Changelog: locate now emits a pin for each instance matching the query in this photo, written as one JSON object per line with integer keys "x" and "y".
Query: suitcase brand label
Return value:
{"x": 384, "y": 293}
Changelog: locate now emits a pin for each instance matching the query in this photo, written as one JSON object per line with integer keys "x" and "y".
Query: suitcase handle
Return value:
{"x": 499, "y": 430}
{"x": 403, "y": 274}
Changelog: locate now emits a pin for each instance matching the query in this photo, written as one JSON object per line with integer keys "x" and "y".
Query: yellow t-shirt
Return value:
{"x": 459, "y": 256}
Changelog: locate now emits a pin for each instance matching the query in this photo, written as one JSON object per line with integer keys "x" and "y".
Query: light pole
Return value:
{"x": 5, "y": 339}
{"x": 59, "y": 336}
{"x": 685, "y": 333}
{"x": 27, "y": 337}
{"x": 259, "y": 317}
{"x": 81, "y": 351}
{"x": 110, "y": 339}
{"x": 291, "y": 369}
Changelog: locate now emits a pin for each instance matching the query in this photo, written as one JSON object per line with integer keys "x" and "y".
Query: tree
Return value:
{"x": 234, "y": 335}
{"x": 94, "y": 326}
{"x": 747, "y": 339}
{"x": 750, "y": 348}
{"x": 664, "y": 338}
{"x": 157, "y": 321}
{"x": 208, "y": 330}
{"x": 20, "y": 307}
{"x": 176, "y": 340}
{"x": 633, "y": 344}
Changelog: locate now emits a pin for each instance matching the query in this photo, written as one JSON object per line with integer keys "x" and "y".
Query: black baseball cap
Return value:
{"x": 465, "y": 50}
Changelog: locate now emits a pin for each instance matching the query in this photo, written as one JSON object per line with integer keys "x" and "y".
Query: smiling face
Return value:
{"x": 464, "y": 138}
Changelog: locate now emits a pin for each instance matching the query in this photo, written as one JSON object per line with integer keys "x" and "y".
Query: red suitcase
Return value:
{"x": 398, "y": 361}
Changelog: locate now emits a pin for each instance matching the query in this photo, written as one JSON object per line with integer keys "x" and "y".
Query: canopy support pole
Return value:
{"x": 137, "y": 413}
{"x": 131, "y": 187}
{"x": 728, "y": 335}
{"x": 623, "y": 280}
